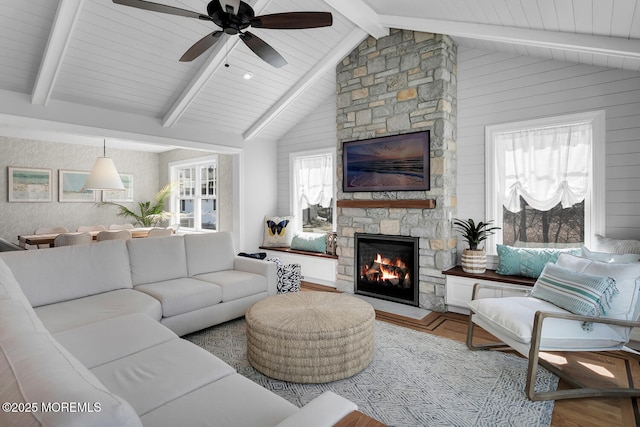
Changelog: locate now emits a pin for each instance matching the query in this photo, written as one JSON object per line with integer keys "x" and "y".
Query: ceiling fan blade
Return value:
{"x": 263, "y": 50}
{"x": 293, "y": 20}
{"x": 201, "y": 46}
{"x": 156, "y": 7}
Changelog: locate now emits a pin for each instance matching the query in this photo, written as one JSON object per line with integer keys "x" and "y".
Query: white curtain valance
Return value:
{"x": 315, "y": 180}
{"x": 544, "y": 166}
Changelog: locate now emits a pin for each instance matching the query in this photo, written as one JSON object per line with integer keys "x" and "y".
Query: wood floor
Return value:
{"x": 623, "y": 367}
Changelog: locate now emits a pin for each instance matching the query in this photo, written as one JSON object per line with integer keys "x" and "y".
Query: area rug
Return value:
{"x": 415, "y": 379}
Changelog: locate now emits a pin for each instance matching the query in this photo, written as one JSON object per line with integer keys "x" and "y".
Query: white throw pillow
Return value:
{"x": 609, "y": 257}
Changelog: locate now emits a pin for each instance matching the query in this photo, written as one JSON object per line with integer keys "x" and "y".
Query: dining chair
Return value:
{"x": 49, "y": 230}
{"x": 88, "y": 228}
{"x": 120, "y": 226}
{"x": 160, "y": 232}
{"x": 113, "y": 235}
{"x": 69, "y": 239}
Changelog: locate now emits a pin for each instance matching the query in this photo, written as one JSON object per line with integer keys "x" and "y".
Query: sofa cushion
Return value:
{"x": 180, "y": 296}
{"x": 82, "y": 311}
{"x": 35, "y": 369}
{"x": 224, "y": 404}
{"x": 16, "y": 315}
{"x": 70, "y": 272}
{"x": 101, "y": 342}
{"x": 155, "y": 260}
{"x": 236, "y": 284}
{"x": 514, "y": 316}
{"x": 209, "y": 252}
{"x": 150, "y": 378}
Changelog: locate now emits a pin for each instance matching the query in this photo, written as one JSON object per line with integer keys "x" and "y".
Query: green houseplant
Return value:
{"x": 474, "y": 260}
{"x": 150, "y": 212}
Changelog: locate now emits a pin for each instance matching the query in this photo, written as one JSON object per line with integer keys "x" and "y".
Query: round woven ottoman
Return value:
{"x": 310, "y": 337}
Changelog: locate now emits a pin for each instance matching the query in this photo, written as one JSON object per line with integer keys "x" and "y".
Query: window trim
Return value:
{"x": 293, "y": 202}
{"x": 594, "y": 202}
{"x": 173, "y": 175}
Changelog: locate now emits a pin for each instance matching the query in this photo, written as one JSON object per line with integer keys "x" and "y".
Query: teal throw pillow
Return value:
{"x": 527, "y": 262}
{"x": 310, "y": 242}
{"x": 580, "y": 293}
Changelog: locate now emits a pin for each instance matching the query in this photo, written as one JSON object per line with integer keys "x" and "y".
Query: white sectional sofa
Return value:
{"x": 89, "y": 337}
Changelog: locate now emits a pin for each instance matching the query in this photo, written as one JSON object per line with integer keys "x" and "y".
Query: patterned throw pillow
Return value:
{"x": 527, "y": 262}
{"x": 278, "y": 232}
{"x": 579, "y": 293}
{"x": 289, "y": 276}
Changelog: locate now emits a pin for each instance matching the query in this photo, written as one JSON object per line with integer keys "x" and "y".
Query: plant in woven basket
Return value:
{"x": 474, "y": 260}
{"x": 474, "y": 233}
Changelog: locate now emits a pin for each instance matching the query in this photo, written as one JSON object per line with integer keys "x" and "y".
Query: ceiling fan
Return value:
{"x": 233, "y": 18}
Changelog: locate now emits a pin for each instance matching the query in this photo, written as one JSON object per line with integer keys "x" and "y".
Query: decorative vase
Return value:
{"x": 474, "y": 261}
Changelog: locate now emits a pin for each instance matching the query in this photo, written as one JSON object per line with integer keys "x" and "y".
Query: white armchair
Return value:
{"x": 530, "y": 324}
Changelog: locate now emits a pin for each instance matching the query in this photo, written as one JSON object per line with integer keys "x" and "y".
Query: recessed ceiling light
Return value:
{"x": 247, "y": 76}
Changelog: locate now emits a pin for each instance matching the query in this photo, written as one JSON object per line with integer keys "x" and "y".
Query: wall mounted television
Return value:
{"x": 388, "y": 163}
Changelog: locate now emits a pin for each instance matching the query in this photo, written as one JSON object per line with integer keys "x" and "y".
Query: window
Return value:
{"x": 313, "y": 190}
{"x": 194, "y": 203}
{"x": 544, "y": 181}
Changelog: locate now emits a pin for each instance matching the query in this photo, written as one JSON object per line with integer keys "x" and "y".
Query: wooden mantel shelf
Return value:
{"x": 412, "y": 204}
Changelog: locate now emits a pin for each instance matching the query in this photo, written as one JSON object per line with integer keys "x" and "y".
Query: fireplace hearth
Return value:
{"x": 387, "y": 267}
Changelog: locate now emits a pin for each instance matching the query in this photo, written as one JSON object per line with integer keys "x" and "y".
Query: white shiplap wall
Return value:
{"x": 316, "y": 131}
{"x": 496, "y": 88}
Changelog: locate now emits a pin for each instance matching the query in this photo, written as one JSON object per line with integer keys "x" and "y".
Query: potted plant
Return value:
{"x": 150, "y": 212}
{"x": 474, "y": 260}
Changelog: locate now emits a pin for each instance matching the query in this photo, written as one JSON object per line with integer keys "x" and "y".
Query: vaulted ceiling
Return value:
{"x": 98, "y": 67}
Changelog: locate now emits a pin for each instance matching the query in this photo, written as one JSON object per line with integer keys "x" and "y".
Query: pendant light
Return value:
{"x": 104, "y": 175}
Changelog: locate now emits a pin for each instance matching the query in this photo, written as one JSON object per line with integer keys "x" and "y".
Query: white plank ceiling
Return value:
{"x": 65, "y": 60}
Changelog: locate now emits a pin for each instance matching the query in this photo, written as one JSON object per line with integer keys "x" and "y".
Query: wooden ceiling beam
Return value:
{"x": 583, "y": 43}
{"x": 350, "y": 42}
{"x": 59, "y": 38}
{"x": 358, "y": 12}
{"x": 214, "y": 61}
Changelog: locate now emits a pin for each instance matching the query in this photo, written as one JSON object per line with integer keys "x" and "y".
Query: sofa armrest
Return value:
{"x": 257, "y": 266}
{"x": 323, "y": 411}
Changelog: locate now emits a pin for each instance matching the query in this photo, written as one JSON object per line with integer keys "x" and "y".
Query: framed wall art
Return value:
{"x": 70, "y": 187}
{"x": 121, "y": 196}
{"x": 390, "y": 163}
{"x": 29, "y": 184}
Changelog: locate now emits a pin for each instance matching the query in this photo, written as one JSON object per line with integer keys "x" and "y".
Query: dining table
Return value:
{"x": 44, "y": 239}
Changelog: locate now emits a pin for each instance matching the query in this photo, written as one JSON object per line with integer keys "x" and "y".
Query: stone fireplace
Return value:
{"x": 402, "y": 83}
{"x": 387, "y": 267}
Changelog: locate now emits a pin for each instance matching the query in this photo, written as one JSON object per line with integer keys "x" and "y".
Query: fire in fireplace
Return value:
{"x": 387, "y": 267}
